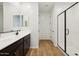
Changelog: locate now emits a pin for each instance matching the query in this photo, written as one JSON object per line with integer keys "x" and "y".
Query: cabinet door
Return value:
{"x": 26, "y": 44}
{"x": 61, "y": 31}
{"x": 11, "y": 49}
{"x": 19, "y": 51}
{"x": 72, "y": 18}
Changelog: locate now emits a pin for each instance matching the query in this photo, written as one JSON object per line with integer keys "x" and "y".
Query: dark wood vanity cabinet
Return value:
{"x": 18, "y": 48}
{"x": 19, "y": 51}
{"x": 26, "y": 44}
{"x": 23, "y": 48}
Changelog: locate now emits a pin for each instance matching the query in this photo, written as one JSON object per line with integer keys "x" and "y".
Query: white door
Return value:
{"x": 72, "y": 26}
{"x": 61, "y": 37}
{"x": 44, "y": 26}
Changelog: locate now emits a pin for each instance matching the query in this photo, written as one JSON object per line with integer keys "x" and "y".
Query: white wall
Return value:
{"x": 44, "y": 26}
{"x": 57, "y": 9}
{"x": 1, "y": 18}
{"x": 31, "y": 15}
{"x": 34, "y": 26}
{"x": 30, "y": 12}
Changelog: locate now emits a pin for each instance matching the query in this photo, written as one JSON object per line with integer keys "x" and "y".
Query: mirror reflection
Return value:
{"x": 17, "y": 21}
{"x": 11, "y": 18}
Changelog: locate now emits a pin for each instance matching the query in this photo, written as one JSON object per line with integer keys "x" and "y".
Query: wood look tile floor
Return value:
{"x": 46, "y": 48}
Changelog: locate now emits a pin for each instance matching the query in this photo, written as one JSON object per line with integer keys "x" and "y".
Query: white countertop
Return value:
{"x": 6, "y": 41}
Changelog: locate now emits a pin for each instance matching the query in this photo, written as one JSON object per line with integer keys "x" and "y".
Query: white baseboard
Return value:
{"x": 45, "y": 39}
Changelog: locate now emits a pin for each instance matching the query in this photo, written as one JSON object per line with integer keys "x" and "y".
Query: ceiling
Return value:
{"x": 45, "y": 6}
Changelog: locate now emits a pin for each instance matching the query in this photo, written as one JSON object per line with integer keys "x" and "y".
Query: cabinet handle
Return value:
{"x": 67, "y": 31}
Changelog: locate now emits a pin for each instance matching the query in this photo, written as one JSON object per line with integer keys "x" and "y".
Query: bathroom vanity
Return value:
{"x": 15, "y": 46}
{"x": 11, "y": 19}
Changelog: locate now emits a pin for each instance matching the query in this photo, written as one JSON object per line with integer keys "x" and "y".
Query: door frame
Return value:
{"x": 64, "y": 30}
